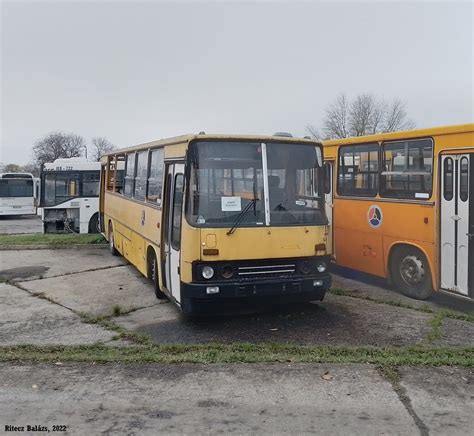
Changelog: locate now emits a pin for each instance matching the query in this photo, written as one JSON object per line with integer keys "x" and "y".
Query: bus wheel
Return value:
{"x": 112, "y": 248}
{"x": 94, "y": 224}
{"x": 153, "y": 275}
{"x": 410, "y": 272}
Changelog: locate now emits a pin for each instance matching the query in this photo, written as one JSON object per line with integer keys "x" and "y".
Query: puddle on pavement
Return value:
{"x": 22, "y": 272}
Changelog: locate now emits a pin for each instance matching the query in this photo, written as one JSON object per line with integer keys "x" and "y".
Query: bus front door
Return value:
{"x": 329, "y": 202}
{"x": 174, "y": 190}
{"x": 457, "y": 223}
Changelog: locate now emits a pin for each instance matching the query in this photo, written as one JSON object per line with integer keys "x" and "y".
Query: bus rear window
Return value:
{"x": 407, "y": 169}
{"x": 16, "y": 188}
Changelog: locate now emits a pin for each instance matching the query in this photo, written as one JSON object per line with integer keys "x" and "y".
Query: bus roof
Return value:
{"x": 203, "y": 136}
{"x": 72, "y": 164}
{"x": 16, "y": 176}
{"x": 435, "y": 131}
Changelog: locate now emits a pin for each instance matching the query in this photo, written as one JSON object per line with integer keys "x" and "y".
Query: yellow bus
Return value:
{"x": 403, "y": 207}
{"x": 218, "y": 218}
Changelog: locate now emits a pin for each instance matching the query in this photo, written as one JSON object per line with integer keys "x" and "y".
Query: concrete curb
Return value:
{"x": 50, "y": 247}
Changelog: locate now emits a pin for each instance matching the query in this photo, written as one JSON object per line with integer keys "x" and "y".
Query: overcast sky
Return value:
{"x": 135, "y": 72}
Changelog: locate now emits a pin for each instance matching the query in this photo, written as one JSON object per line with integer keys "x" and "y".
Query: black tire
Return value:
{"x": 94, "y": 224}
{"x": 112, "y": 248}
{"x": 153, "y": 275}
{"x": 410, "y": 273}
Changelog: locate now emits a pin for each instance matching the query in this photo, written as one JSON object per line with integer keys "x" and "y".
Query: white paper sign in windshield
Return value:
{"x": 231, "y": 204}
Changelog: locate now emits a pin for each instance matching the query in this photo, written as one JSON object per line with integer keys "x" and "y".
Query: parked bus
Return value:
{"x": 70, "y": 196}
{"x": 214, "y": 218}
{"x": 17, "y": 194}
{"x": 403, "y": 207}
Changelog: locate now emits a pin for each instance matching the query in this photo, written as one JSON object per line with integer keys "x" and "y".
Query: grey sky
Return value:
{"x": 134, "y": 72}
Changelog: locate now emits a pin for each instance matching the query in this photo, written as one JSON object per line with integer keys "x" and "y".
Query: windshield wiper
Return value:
{"x": 242, "y": 214}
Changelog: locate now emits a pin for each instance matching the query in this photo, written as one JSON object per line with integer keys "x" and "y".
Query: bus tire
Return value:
{"x": 153, "y": 275}
{"x": 112, "y": 248}
{"x": 94, "y": 224}
{"x": 410, "y": 272}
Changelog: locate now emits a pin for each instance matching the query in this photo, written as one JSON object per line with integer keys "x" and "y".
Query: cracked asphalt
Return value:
{"x": 45, "y": 292}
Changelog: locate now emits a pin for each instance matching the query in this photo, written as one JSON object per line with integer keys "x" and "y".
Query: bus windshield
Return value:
{"x": 227, "y": 178}
{"x": 20, "y": 187}
{"x": 59, "y": 187}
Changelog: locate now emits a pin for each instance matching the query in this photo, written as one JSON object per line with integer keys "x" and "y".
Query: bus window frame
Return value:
{"x": 132, "y": 177}
{"x": 136, "y": 175}
{"x": 463, "y": 194}
{"x": 445, "y": 172}
{"x": 358, "y": 194}
{"x": 383, "y": 194}
{"x": 149, "y": 202}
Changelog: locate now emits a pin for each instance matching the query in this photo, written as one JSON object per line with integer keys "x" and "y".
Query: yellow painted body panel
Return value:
{"x": 359, "y": 246}
{"x": 133, "y": 234}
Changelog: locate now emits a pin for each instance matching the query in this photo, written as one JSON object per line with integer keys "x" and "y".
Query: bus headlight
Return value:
{"x": 227, "y": 272}
{"x": 305, "y": 267}
{"x": 321, "y": 267}
{"x": 207, "y": 272}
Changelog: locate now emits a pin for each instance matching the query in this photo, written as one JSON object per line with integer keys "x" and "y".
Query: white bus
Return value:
{"x": 17, "y": 194}
{"x": 70, "y": 196}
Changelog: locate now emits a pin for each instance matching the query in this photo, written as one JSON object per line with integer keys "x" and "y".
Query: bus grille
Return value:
{"x": 268, "y": 271}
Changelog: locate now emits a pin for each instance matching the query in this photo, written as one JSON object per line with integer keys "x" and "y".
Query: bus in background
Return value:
{"x": 70, "y": 196}
{"x": 17, "y": 194}
{"x": 218, "y": 218}
{"x": 403, "y": 207}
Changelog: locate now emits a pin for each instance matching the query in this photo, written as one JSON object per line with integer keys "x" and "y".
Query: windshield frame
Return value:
{"x": 79, "y": 175}
{"x": 267, "y": 222}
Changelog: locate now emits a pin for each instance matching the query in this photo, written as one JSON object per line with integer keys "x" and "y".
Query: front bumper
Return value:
{"x": 268, "y": 291}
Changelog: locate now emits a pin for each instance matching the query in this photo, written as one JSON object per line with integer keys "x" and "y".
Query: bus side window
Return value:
{"x": 177, "y": 211}
{"x": 129, "y": 175}
{"x": 407, "y": 169}
{"x": 155, "y": 176}
{"x": 358, "y": 170}
{"x": 448, "y": 189}
{"x": 327, "y": 178}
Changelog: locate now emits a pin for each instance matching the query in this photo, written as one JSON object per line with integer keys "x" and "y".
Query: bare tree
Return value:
{"x": 314, "y": 132}
{"x": 396, "y": 117}
{"x": 361, "y": 115}
{"x": 365, "y": 115}
{"x": 100, "y": 146}
{"x": 57, "y": 145}
{"x": 335, "y": 122}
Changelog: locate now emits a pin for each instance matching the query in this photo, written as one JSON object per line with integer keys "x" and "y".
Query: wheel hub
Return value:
{"x": 412, "y": 270}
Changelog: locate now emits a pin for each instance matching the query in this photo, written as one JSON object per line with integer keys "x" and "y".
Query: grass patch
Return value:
{"x": 51, "y": 239}
{"x": 469, "y": 317}
{"x": 242, "y": 353}
{"x": 105, "y": 321}
{"x": 117, "y": 310}
{"x": 436, "y": 326}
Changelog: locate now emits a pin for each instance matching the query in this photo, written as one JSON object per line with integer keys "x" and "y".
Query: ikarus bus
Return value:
{"x": 218, "y": 218}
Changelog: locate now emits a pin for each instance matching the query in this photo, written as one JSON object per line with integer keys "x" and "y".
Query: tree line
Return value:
{"x": 363, "y": 115}
{"x": 366, "y": 114}
{"x": 61, "y": 145}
